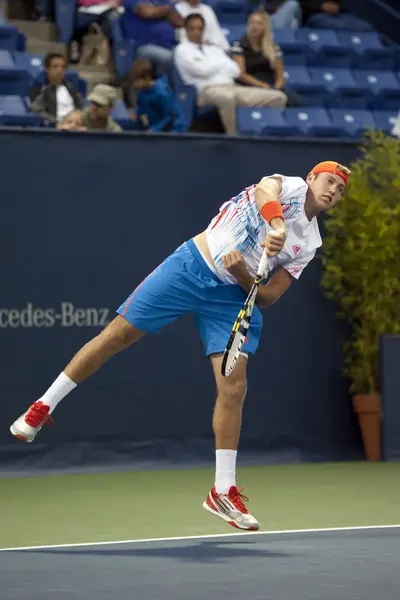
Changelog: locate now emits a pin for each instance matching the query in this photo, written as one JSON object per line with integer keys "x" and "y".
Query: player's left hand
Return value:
{"x": 234, "y": 263}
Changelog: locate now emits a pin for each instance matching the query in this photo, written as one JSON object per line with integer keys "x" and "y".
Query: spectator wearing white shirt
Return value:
{"x": 213, "y": 33}
{"x": 213, "y": 74}
{"x": 58, "y": 97}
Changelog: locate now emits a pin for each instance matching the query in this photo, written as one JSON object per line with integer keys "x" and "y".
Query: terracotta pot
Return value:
{"x": 368, "y": 410}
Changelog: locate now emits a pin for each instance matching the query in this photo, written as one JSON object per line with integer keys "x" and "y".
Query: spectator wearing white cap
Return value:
{"x": 98, "y": 114}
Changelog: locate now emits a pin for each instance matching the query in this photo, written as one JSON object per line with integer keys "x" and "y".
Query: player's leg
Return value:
{"x": 160, "y": 299}
{"x": 225, "y": 500}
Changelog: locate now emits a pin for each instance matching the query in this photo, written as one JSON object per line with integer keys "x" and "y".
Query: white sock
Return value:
{"x": 62, "y": 386}
{"x": 225, "y": 470}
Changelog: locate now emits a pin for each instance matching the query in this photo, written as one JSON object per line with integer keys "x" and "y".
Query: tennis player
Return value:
{"x": 209, "y": 276}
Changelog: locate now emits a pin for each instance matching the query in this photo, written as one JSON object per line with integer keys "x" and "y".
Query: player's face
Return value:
{"x": 327, "y": 189}
{"x": 56, "y": 71}
{"x": 195, "y": 30}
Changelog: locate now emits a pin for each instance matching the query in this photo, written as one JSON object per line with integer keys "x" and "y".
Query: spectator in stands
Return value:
{"x": 152, "y": 24}
{"x": 58, "y": 97}
{"x": 213, "y": 33}
{"x": 98, "y": 114}
{"x": 156, "y": 106}
{"x": 214, "y": 74}
{"x": 260, "y": 59}
{"x": 92, "y": 44}
{"x": 285, "y": 14}
{"x": 329, "y": 15}
{"x": 72, "y": 122}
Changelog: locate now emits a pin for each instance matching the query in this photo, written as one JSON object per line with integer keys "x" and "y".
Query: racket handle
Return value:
{"x": 263, "y": 266}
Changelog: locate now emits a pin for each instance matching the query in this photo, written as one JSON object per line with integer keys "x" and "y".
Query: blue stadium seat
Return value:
{"x": 233, "y": 31}
{"x": 367, "y": 51}
{"x": 382, "y": 88}
{"x": 385, "y": 120}
{"x": 13, "y": 82}
{"x": 9, "y": 38}
{"x": 263, "y": 121}
{"x": 186, "y": 100}
{"x": 6, "y": 60}
{"x": 121, "y": 115}
{"x": 353, "y": 122}
{"x": 179, "y": 86}
{"x": 32, "y": 63}
{"x": 340, "y": 88}
{"x": 13, "y": 112}
{"x": 323, "y": 48}
{"x": 298, "y": 79}
{"x": 313, "y": 122}
{"x": 294, "y": 52}
{"x": 230, "y": 11}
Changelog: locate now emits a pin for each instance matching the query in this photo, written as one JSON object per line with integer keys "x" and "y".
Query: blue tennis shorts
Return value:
{"x": 184, "y": 284}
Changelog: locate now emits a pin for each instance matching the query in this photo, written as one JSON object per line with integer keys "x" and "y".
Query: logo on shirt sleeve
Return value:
{"x": 296, "y": 249}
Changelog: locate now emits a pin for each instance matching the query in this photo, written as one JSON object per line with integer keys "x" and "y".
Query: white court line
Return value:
{"x": 204, "y": 537}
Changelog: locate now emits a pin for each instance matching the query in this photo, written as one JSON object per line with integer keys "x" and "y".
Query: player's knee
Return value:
{"x": 233, "y": 390}
{"x": 119, "y": 334}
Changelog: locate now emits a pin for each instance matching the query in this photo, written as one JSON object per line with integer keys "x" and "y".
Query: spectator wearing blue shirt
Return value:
{"x": 156, "y": 105}
{"x": 152, "y": 24}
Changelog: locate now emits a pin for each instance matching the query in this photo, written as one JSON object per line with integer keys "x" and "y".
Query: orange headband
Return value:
{"x": 329, "y": 166}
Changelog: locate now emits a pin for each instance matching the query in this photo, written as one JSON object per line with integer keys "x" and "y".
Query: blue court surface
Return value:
{"x": 330, "y": 564}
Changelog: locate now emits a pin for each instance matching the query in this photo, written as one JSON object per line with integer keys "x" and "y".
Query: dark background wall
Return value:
{"x": 84, "y": 219}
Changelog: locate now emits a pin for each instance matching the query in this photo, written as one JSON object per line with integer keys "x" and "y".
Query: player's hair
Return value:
{"x": 141, "y": 69}
{"x": 48, "y": 59}
{"x": 267, "y": 40}
{"x": 193, "y": 17}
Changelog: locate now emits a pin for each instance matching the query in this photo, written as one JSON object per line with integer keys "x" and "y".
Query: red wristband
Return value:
{"x": 271, "y": 210}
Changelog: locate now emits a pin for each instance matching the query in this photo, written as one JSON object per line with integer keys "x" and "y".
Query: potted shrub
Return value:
{"x": 361, "y": 259}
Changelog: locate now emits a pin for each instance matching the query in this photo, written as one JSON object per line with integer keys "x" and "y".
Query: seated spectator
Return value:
{"x": 92, "y": 43}
{"x": 260, "y": 59}
{"x": 285, "y": 14}
{"x": 213, "y": 33}
{"x": 213, "y": 73}
{"x": 98, "y": 114}
{"x": 329, "y": 15}
{"x": 72, "y": 122}
{"x": 58, "y": 97}
{"x": 152, "y": 23}
{"x": 156, "y": 106}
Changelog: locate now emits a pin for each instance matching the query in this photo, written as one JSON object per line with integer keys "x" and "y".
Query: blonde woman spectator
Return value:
{"x": 260, "y": 59}
{"x": 213, "y": 33}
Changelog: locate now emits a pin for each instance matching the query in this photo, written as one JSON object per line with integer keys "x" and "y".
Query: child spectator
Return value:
{"x": 156, "y": 105}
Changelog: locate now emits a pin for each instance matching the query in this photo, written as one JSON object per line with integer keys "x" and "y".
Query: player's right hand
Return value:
{"x": 274, "y": 241}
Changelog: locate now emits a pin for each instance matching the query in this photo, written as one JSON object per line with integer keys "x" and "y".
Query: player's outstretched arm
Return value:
{"x": 268, "y": 293}
{"x": 267, "y": 194}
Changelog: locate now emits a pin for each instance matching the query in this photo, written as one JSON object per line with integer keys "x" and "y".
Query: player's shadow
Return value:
{"x": 202, "y": 552}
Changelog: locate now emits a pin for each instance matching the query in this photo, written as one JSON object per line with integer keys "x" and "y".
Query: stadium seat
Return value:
{"x": 230, "y": 11}
{"x": 263, "y": 121}
{"x": 353, "y": 122}
{"x": 6, "y": 60}
{"x": 13, "y": 112}
{"x": 121, "y": 115}
{"x": 323, "y": 48}
{"x": 294, "y": 52}
{"x": 340, "y": 88}
{"x": 32, "y": 63}
{"x": 313, "y": 122}
{"x": 186, "y": 100}
{"x": 385, "y": 120}
{"x": 233, "y": 32}
{"x": 367, "y": 51}
{"x": 13, "y": 82}
{"x": 9, "y": 38}
{"x": 298, "y": 79}
{"x": 382, "y": 88}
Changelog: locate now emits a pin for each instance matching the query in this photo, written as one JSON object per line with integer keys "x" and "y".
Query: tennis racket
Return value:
{"x": 242, "y": 323}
